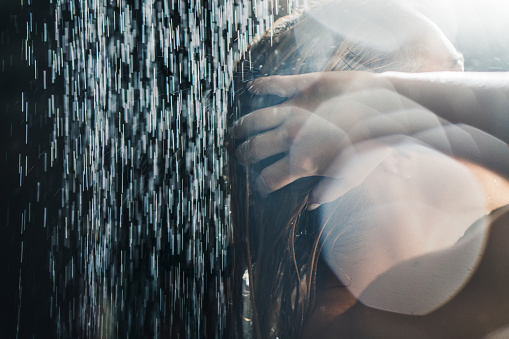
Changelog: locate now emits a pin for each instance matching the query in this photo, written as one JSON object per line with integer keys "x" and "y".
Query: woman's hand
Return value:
{"x": 310, "y": 90}
{"x": 366, "y": 107}
{"x": 343, "y": 140}
{"x": 472, "y": 98}
{"x": 308, "y": 141}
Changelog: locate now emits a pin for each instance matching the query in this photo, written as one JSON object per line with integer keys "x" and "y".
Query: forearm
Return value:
{"x": 480, "y": 100}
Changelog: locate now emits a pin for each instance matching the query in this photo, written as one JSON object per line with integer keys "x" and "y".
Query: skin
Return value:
{"x": 416, "y": 203}
{"x": 333, "y": 126}
{"x": 338, "y": 312}
{"x": 480, "y": 308}
{"x": 304, "y": 126}
{"x": 486, "y": 93}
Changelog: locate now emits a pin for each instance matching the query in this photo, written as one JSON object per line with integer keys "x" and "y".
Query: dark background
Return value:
{"x": 28, "y": 307}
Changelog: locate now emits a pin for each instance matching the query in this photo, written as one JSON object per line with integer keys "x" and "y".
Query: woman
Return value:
{"x": 295, "y": 156}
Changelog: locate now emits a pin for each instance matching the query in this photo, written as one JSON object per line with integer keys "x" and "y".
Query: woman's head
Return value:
{"x": 276, "y": 239}
{"x": 344, "y": 35}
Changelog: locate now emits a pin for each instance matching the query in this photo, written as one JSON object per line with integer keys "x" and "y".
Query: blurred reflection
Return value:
{"x": 407, "y": 244}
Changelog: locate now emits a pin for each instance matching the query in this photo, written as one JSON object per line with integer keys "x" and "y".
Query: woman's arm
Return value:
{"x": 467, "y": 113}
{"x": 477, "y": 99}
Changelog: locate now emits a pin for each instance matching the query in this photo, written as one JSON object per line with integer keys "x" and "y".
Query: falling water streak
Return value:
{"x": 138, "y": 132}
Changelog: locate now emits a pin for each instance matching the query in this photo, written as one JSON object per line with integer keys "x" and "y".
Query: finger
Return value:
{"x": 263, "y": 146}
{"x": 461, "y": 141}
{"x": 402, "y": 122}
{"x": 330, "y": 189}
{"x": 261, "y": 120}
{"x": 376, "y": 126}
{"x": 383, "y": 100}
{"x": 417, "y": 119}
{"x": 345, "y": 113}
{"x": 275, "y": 176}
{"x": 327, "y": 190}
{"x": 283, "y": 86}
{"x": 350, "y": 169}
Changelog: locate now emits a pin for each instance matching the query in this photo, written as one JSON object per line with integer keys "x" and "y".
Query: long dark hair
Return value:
{"x": 277, "y": 242}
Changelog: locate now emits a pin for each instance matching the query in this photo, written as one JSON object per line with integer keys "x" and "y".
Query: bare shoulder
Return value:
{"x": 480, "y": 308}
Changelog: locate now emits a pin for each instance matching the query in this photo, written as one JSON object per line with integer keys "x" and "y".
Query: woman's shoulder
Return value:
{"x": 479, "y": 308}
{"x": 500, "y": 214}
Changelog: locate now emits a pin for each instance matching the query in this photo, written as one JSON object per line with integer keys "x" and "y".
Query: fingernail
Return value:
{"x": 313, "y": 206}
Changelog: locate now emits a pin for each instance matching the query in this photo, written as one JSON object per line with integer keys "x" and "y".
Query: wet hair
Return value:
{"x": 277, "y": 242}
